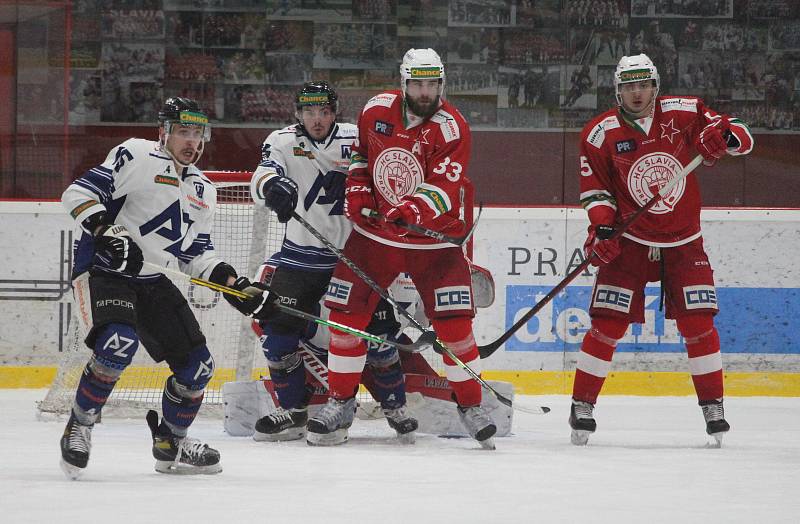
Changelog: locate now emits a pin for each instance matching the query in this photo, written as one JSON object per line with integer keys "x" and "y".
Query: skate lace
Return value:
{"x": 583, "y": 410}
{"x": 398, "y": 414}
{"x": 333, "y": 412}
{"x": 80, "y": 438}
{"x": 713, "y": 412}
{"x": 475, "y": 418}
{"x": 189, "y": 447}
{"x": 281, "y": 415}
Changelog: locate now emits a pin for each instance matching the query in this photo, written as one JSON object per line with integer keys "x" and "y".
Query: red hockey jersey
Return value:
{"x": 624, "y": 163}
{"x": 427, "y": 159}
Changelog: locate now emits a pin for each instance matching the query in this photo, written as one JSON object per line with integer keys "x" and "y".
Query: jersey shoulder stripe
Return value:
{"x": 447, "y": 124}
{"x": 380, "y": 100}
{"x": 597, "y": 135}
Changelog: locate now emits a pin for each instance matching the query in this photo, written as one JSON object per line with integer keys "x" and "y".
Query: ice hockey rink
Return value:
{"x": 648, "y": 462}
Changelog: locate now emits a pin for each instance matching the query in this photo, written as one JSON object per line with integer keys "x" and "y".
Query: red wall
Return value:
{"x": 508, "y": 168}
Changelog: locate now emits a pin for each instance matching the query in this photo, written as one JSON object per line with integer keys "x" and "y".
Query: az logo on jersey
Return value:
{"x": 347, "y": 150}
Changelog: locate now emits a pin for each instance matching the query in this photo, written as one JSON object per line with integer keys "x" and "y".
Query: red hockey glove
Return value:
{"x": 599, "y": 244}
{"x": 407, "y": 212}
{"x": 357, "y": 196}
{"x": 712, "y": 143}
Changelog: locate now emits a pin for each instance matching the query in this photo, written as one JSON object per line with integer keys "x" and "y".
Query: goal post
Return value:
{"x": 244, "y": 235}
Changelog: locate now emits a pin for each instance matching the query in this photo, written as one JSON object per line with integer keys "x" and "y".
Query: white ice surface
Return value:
{"x": 647, "y": 463}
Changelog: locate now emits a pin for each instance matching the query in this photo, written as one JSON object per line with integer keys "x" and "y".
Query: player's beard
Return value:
{"x": 423, "y": 109}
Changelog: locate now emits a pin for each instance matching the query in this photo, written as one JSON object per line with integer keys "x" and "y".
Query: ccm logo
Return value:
{"x": 339, "y": 291}
{"x": 700, "y": 297}
{"x": 612, "y": 297}
{"x": 114, "y": 302}
{"x": 455, "y": 297}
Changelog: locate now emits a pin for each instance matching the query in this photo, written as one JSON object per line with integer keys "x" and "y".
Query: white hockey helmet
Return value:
{"x": 421, "y": 64}
{"x": 635, "y": 69}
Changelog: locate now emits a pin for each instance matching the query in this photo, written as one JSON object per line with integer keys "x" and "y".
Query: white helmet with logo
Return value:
{"x": 421, "y": 64}
{"x": 635, "y": 69}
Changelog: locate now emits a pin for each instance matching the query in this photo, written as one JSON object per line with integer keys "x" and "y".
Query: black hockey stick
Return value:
{"x": 437, "y": 235}
{"x": 487, "y": 350}
{"x": 427, "y": 339}
{"x": 400, "y": 309}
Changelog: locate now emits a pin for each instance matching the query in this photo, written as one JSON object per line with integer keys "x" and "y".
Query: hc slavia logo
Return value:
{"x": 700, "y": 297}
{"x": 612, "y": 297}
{"x": 339, "y": 291}
{"x": 453, "y": 297}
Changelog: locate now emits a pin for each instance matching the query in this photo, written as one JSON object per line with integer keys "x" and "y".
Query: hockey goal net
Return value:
{"x": 244, "y": 235}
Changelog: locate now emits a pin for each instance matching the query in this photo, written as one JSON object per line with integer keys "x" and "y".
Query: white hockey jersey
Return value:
{"x": 169, "y": 215}
{"x": 287, "y": 152}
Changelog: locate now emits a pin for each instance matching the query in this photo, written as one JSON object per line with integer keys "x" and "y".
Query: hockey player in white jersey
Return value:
{"x": 303, "y": 169}
{"x": 147, "y": 202}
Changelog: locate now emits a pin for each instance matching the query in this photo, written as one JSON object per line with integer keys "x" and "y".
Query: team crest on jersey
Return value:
{"x": 649, "y": 174}
{"x": 265, "y": 152}
{"x": 397, "y": 173}
{"x": 347, "y": 150}
{"x": 199, "y": 188}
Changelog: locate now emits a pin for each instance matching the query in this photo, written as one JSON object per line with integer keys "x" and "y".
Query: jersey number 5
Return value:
{"x": 586, "y": 169}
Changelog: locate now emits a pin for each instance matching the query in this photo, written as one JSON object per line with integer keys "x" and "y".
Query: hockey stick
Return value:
{"x": 487, "y": 350}
{"x": 437, "y": 235}
{"x": 383, "y": 294}
{"x": 421, "y": 343}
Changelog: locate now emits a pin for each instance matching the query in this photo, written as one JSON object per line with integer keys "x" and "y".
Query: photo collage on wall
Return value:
{"x": 519, "y": 64}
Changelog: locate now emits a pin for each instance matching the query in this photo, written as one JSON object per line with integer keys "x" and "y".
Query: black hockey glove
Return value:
{"x": 280, "y": 195}
{"x": 256, "y": 306}
{"x": 114, "y": 246}
{"x": 333, "y": 182}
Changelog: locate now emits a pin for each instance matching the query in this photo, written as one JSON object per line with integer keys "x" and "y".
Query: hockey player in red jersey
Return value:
{"x": 627, "y": 155}
{"x": 409, "y": 163}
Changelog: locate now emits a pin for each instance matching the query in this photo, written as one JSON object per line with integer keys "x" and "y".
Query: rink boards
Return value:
{"x": 528, "y": 250}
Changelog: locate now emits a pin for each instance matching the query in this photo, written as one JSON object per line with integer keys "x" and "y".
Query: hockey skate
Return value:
{"x": 479, "y": 425}
{"x": 329, "y": 426}
{"x": 76, "y": 443}
{"x": 282, "y": 425}
{"x": 581, "y": 421}
{"x": 180, "y": 455}
{"x": 403, "y": 423}
{"x": 716, "y": 425}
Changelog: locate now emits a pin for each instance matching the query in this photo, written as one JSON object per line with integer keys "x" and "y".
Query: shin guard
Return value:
{"x": 594, "y": 359}
{"x": 705, "y": 359}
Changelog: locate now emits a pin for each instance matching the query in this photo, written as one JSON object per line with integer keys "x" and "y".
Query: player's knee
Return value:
{"x": 383, "y": 359}
{"x": 456, "y": 332}
{"x": 194, "y": 373}
{"x": 276, "y": 345}
{"x": 608, "y": 330}
{"x": 694, "y": 326}
{"x": 282, "y": 365}
{"x": 114, "y": 347}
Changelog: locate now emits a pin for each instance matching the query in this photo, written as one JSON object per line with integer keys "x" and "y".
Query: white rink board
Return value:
{"x": 754, "y": 254}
